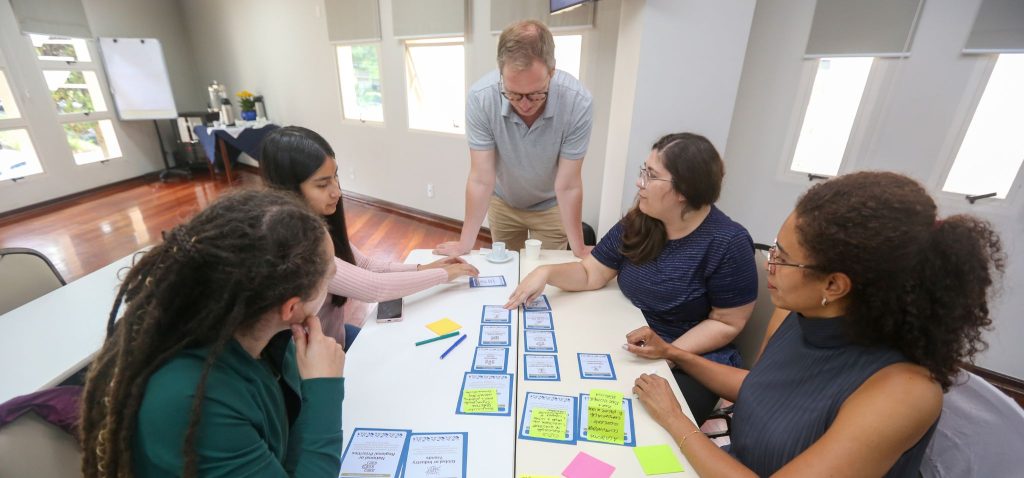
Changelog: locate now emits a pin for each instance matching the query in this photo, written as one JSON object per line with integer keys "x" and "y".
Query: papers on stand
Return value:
{"x": 500, "y": 382}
{"x": 376, "y": 452}
{"x": 548, "y": 425}
{"x": 541, "y": 367}
{"x": 433, "y": 455}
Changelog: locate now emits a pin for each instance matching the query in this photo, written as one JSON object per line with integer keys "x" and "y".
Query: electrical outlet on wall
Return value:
{"x": 430, "y": 190}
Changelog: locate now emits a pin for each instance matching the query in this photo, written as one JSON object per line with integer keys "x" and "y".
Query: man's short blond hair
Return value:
{"x": 523, "y": 42}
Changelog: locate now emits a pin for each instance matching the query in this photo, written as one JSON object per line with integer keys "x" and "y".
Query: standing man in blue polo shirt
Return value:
{"x": 528, "y": 127}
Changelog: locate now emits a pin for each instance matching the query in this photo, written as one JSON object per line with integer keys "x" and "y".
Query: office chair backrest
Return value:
{"x": 26, "y": 274}
{"x": 29, "y": 446}
{"x": 980, "y": 432}
{"x": 749, "y": 340}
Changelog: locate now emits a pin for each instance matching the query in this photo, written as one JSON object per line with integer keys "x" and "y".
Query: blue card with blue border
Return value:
{"x": 539, "y": 341}
{"x": 552, "y": 402}
{"x": 495, "y": 335}
{"x": 495, "y": 314}
{"x": 375, "y": 452}
{"x": 502, "y": 382}
{"x": 627, "y": 409}
{"x": 487, "y": 281}
{"x": 440, "y": 454}
{"x": 541, "y": 368}
{"x": 490, "y": 360}
{"x": 595, "y": 366}
{"x": 538, "y": 319}
{"x": 540, "y": 303}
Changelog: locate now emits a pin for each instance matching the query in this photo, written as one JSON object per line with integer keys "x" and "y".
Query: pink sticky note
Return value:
{"x": 586, "y": 466}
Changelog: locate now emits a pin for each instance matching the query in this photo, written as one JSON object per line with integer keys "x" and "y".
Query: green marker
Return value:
{"x": 439, "y": 337}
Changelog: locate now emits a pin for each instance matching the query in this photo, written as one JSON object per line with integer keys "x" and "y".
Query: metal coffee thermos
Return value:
{"x": 227, "y": 113}
{"x": 217, "y": 92}
{"x": 261, "y": 111}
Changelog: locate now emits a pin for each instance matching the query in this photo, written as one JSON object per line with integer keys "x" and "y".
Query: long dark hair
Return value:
{"x": 697, "y": 171}
{"x": 920, "y": 284}
{"x": 289, "y": 156}
{"x": 213, "y": 276}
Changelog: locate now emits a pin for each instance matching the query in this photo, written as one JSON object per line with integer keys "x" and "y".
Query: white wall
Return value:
{"x": 680, "y": 71}
{"x": 911, "y": 122}
{"x": 281, "y": 50}
{"x": 141, "y": 151}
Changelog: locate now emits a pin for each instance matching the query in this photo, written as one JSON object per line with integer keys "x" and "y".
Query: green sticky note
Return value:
{"x": 547, "y": 423}
{"x": 657, "y": 459}
{"x": 606, "y": 419}
{"x": 480, "y": 400}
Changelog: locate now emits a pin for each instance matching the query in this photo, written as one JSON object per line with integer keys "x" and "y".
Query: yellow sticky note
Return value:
{"x": 480, "y": 400}
{"x": 606, "y": 420}
{"x": 657, "y": 459}
{"x": 547, "y": 423}
{"x": 443, "y": 326}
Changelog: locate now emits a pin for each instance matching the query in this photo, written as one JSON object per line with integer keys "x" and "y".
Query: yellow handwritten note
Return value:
{"x": 547, "y": 423}
{"x": 480, "y": 400}
{"x": 444, "y": 326}
{"x": 606, "y": 420}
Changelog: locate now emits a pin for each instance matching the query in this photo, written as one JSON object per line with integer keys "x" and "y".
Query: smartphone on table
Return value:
{"x": 389, "y": 311}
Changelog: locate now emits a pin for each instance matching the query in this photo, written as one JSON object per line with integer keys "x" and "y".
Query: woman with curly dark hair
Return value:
{"x": 879, "y": 302}
{"x": 193, "y": 379}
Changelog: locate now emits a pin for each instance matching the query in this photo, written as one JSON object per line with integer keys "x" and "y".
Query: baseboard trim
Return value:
{"x": 1011, "y": 386}
{"x": 416, "y": 214}
{"x": 49, "y": 205}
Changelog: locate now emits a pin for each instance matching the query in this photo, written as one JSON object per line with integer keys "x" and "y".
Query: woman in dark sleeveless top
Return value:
{"x": 878, "y": 302}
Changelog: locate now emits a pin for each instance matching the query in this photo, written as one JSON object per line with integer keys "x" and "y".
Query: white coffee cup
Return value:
{"x": 532, "y": 249}
{"x": 498, "y": 250}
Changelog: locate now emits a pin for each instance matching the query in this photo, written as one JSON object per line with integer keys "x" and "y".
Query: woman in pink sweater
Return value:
{"x": 297, "y": 159}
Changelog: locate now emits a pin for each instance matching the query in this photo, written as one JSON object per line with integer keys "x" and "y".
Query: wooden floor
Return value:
{"x": 86, "y": 233}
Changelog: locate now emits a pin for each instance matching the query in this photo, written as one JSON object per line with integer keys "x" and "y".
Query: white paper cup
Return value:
{"x": 498, "y": 250}
{"x": 532, "y": 249}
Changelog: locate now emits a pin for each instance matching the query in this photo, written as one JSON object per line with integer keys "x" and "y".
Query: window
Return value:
{"x": 77, "y": 89}
{"x": 359, "y": 73}
{"x": 568, "y": 51}
{"x": 991, "y": 153}
{"x": 17, "y": 154}
{"x": 835, "y": 97}
{"x": 436, "y": 84}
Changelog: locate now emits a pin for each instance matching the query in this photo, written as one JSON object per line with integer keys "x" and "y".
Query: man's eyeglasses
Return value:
{"x": 773, "y": 260}
{"x": 646, "y": 178}
{"x": 535, "y": 97}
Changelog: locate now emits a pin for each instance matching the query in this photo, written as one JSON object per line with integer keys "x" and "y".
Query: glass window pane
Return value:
{"x": 8, "y": 108}
{"x": 359, "y": 71}
{"x": 991, "y": 154}
{"x": 568, "y": 51}
{"x": 53, "y": 48}
{"x": 92, "y": 141}
{"x": 75, "y": 91}
{"x": 436, "y": 82}
{"x": 835, "y": 98}
{"x": 17, "y": 155}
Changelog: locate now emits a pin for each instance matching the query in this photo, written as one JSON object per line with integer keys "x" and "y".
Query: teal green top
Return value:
{"x": 243, "y": 428}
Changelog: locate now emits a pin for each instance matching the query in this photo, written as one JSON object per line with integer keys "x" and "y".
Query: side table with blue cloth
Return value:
{"x": 232, "y": 141}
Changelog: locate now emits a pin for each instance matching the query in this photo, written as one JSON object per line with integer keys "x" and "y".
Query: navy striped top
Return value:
{"x": 794, "y": 392}
{"x": 713, "y": 266}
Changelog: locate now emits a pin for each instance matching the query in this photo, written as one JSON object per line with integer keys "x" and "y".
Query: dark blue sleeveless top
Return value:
{"x": 792, "y": 395}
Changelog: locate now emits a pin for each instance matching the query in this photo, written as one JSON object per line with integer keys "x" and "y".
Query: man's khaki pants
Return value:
{"x": 513, "y": 226}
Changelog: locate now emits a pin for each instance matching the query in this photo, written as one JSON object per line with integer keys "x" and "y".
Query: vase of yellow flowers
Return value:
{"x": 247, "y": 104}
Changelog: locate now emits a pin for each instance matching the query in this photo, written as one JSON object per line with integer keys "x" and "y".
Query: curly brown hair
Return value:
{"x": 217, "y": 274}
{"x": 697, "y": 171}
{"x": 920, "y": 285}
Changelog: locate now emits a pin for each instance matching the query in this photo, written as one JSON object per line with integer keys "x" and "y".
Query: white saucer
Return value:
{"x": 508, "y": 257}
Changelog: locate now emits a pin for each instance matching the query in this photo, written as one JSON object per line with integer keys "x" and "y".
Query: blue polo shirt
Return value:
{"x": 713, "y": 266}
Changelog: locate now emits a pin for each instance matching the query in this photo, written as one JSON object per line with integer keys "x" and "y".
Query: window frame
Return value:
{"x": 955, "y": 135}
{"x": 583, "y": 48}
{"x": 20, "y": 122}
{"x": 383, "y": 88}
{"x": 406, "y": 60}
{"x": 860, "y": 131}
{"x": 94, "y": 65}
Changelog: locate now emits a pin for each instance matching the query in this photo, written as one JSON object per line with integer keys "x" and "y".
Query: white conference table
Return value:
{"x": 390, "y": 383}
{"x": 593, "y": 322}
{"x": 45, "y": 341}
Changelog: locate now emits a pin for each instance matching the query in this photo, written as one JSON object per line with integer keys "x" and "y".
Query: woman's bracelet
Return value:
{"x": 688, "y": 435}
